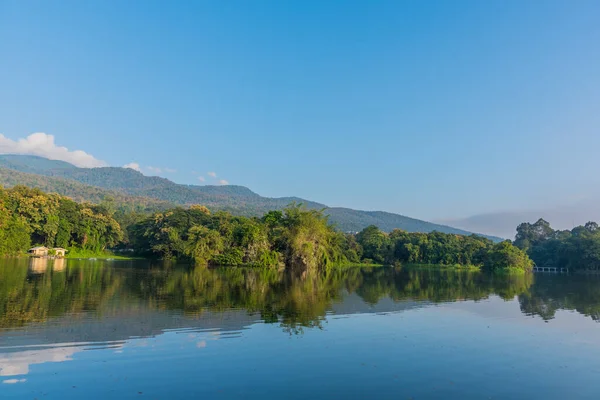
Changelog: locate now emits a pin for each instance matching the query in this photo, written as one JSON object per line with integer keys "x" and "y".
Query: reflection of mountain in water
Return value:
{"x": 354, "y": 304}
{"x": 122, "y": 326}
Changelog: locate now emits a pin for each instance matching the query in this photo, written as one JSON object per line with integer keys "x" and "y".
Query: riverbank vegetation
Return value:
{"x": 77, "y": 253}
{"x": 577, "y": 249}
{"x": 440, "y": 249}
{"x": 32, "y": 217}
{"x": 303, "y": 238}
{"x": 295, "y": 238}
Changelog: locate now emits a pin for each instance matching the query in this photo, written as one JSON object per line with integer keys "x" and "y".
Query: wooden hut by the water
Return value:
{"x": 39, "y": 251}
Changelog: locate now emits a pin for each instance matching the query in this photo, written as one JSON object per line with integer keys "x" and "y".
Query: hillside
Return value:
{"x": 93, "y": 184}
{"x": 80, "y": 192}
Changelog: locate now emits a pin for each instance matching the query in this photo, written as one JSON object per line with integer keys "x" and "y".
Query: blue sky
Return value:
{"x": 433, "y": 109}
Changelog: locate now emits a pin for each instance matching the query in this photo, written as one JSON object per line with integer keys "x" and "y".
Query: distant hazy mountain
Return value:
{"x": 504, "y": 224}
{"x": 93, "y": 183}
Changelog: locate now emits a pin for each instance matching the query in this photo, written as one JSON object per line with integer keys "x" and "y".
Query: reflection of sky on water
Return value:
{"x": 18, "y": 362}
{"x": 12, "y": 381}
{"x": 453, "y": 350}
{"x": 571, "y": 324}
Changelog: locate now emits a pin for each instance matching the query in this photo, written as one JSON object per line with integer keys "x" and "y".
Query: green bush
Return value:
{"x": 231, "y": 257}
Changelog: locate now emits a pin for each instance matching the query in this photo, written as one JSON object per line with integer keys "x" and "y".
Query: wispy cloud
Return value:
{"x": 41, "y": 144}
{"x": 133, "y": 165}
{"x": 201, "y": 179}
{"x": 223, "y": 182}
{"x": 149, "y": 169}
{"x": 212, "y": 174}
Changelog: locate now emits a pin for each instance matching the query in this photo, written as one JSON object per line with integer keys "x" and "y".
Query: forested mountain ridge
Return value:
{"x": 80, "y": 192}
{"x": 92, "y": 184}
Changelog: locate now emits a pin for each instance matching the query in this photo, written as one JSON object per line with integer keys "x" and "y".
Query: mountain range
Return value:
{"x": 128, "y": 186}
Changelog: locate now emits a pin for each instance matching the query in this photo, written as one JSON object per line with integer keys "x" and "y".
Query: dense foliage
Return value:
{"x": 438, "y": 248}
{"x": 298, "y": 237}
{"x": 30, "y": 216}
{"x": 577, "y": 249}
{"x": 295, "y": 237}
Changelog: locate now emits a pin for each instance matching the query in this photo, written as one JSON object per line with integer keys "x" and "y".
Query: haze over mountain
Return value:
{"x": 503, "y": 224}
{"x": 128, "y": 185}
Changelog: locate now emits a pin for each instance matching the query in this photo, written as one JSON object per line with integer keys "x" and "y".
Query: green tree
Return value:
{"x": 375, "y": 244}
{"x": 203, "y": 244}
{"x": 504, "y": 256}
{"x": 529, "y": 235}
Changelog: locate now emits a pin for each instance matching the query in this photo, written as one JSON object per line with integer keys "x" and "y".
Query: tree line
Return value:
{"x": 297, "y": 238}
{"x": 30, "y": 216}
{"x": 436, "y": 248}
{"x": 575, "y": 249}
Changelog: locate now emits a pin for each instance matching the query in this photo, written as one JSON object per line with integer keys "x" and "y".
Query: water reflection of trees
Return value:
{"x": 44, "y": 289}
{"x": 30, "y": 294}
{"x": 552, "y": 292}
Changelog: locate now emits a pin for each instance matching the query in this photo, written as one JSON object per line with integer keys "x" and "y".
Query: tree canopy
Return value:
{"x": 30, "y": 216}
{"x": 576, "y": 249}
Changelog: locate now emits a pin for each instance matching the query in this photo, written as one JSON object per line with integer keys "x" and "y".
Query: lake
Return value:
{"x": 72, "y": 329}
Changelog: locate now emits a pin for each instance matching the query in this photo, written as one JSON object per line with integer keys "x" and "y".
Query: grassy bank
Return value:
{"x": 472, "y": 268}
{"x": 359, "y": 265}
{"x": 445, "y": 267}
{"x": 452, "y": 267}
{"x": 511, "y": 271}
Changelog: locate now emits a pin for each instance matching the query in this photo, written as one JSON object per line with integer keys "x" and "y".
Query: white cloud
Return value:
{"x": 133, "y": 165}
{"x": 201, "y": 179}
{"x": 155, "y": 170}
{"x": 223, "y": 182}
{"x": 41, "y": 144}
{"x": 212, "y": 174}
{"x": 170, "y": 170}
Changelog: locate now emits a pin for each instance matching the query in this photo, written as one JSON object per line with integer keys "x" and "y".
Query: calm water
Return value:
{"x": 96, "y": 330}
